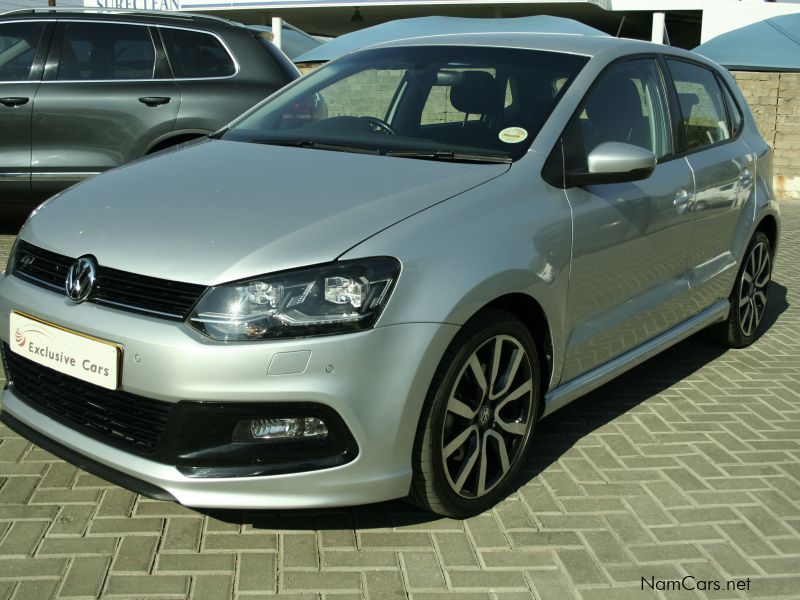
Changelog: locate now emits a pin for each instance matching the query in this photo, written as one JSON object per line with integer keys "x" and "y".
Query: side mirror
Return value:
{"x": 614, "y": 162}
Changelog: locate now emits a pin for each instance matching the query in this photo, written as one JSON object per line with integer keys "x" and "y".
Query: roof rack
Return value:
{"x": 80, "y": 9}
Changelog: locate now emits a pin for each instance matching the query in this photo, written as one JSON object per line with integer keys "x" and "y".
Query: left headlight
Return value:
{"x": 11, "y": 255}
{"x": 332, "y": 298}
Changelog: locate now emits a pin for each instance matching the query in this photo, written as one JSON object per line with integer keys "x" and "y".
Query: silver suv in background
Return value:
{"x": 494, "y": 226}
{"x": 82, "y": 92}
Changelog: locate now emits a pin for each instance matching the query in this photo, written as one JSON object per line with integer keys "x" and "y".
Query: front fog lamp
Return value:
{"x": 265, "y": 430}
{"x": 332, "y": 298}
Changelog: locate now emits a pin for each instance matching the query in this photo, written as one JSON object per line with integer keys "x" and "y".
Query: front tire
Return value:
{"x": 478, "y": 417}
{"x": 749, "y": 296}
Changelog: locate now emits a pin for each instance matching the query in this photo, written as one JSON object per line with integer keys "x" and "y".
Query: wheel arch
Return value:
{"x": 174, "y": 138}
{"x": 530, "y": 312}
{"x": 769, "y": 225}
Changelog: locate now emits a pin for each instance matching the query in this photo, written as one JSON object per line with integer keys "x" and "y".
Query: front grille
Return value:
{"x": 118, "y": 289}
{"x": 120, "y": 419}
{"x": 41, "y": 267}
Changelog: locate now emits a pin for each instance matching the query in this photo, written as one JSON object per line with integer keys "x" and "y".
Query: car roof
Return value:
{"x": 153, "y": 17}
{"x": 571, "y": 43}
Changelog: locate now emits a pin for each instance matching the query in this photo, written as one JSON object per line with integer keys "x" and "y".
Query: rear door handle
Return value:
{"x": 14, "y": 101}
{"x": 154, "y": 100}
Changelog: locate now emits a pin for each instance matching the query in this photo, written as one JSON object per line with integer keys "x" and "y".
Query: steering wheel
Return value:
{"x": 379, "y": 126}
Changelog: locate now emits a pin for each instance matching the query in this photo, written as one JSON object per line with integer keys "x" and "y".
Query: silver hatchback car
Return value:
{"x": 374, "y": 284}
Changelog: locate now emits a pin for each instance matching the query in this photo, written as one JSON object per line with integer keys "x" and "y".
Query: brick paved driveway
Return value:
{"x": 688, "y": 465}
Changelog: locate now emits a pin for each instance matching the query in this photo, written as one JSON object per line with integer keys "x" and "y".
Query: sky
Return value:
{"x": 13, "y": 4}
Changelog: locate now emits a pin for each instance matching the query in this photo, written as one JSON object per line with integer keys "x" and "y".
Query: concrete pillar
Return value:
{"x": 277, "y": 32}
{"x": 658, "y": 28}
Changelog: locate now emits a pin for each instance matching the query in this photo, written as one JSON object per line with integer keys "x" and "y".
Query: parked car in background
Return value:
{"x": 83, "y": 92}
{"x": 294, "y": 41}
{"x": 495, "y": 225}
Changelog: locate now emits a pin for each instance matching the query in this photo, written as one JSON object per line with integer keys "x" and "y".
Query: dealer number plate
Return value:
{"x": 70, "y": 352}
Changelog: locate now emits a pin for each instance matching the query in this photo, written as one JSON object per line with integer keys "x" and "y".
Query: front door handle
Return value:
{"x": 682, "y": 201}
{"x": 14, "y": 101}
{"x": 154, "y": 100}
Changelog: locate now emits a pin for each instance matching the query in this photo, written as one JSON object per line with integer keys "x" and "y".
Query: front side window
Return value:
{"x": 106, "y": 51}
{"x": 419, "y": 102}
{"x": 703, "y": 115}
{"x": 18, "y": 44}
{"x": 627, "y": 104}
{"x": 194, "y": 54}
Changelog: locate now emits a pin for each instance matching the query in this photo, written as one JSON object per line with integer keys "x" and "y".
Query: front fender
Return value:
{"x": 462, "y": 254}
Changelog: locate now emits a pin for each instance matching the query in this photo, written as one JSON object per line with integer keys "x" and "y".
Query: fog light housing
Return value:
{"x": 294, "y": 428}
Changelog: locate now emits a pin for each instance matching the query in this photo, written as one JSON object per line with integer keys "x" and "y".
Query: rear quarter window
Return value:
{"x": 195, "y": 54}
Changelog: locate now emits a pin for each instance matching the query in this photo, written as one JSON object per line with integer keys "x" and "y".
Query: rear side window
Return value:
{"x": 106, "y": 51}
{"x": 194, "y": 54}
{"x": 703, "y": 115}
{"x": 18, "y": 44}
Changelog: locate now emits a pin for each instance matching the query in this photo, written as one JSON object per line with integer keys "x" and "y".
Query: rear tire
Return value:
{"x": 749, "y": 296}
{"x": 478, "y": 417}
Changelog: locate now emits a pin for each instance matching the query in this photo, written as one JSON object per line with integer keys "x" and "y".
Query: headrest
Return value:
{"x": 476, "y": 94}
{"x": 688, "y": 101}
{"x": 615, "y": 95}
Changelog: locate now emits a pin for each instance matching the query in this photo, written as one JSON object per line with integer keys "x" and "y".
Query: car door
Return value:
{"x": 628, "y": 276}
{"x": 723, "y": 167}
{"x": 23, "y": 46}
{"x": 106, "y": 96}
{"x": 215, "y": 88}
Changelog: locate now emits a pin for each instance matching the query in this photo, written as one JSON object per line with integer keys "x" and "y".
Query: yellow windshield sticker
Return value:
{"x": 513, "y": 135}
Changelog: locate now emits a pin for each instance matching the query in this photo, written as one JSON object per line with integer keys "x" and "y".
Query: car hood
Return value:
{"x": 221, "y": 211}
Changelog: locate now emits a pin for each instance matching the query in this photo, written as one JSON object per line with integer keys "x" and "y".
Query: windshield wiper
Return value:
{"x": 449, "y": 156}
{"x": 315, "y": 145}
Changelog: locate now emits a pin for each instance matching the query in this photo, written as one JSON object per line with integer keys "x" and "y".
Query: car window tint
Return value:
{"x": 106, "y": 51}
{"x": 627, "y": 104}
{"x": 734, "y": 112}
{"x": 18, "y": 43}
{"x": 702, "y": 109}
{"x": 195, "y": 54}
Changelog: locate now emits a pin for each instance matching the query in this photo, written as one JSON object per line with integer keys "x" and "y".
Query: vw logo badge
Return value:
{"x": 484, "y": 416}
{"x": 80, "y": 278}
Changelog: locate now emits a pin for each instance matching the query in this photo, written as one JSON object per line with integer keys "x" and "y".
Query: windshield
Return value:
{"x": 470, "y": 103}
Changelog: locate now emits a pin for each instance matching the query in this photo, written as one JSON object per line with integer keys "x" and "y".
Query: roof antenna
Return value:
{"x": 621, "y": 23}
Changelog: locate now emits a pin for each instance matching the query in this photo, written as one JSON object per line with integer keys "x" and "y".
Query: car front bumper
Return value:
{"x": 375, "y": 380}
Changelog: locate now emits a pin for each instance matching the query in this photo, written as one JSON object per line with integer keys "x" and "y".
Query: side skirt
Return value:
{"x": 574, "y": 389}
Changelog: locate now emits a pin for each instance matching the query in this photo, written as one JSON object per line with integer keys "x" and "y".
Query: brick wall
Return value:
{"x": 774, "y": 99}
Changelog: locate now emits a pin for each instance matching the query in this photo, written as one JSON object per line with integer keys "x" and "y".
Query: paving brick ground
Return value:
{"x": 688, "y": 465}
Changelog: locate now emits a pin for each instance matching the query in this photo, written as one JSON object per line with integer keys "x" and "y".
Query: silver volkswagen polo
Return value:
{"x": 373, "y": 284}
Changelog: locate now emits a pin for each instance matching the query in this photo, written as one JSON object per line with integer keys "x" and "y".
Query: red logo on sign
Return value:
{"x": 20, "y": 337}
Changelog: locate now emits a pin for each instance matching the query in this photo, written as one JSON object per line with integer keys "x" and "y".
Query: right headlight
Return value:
{"x": 332, "y": 298}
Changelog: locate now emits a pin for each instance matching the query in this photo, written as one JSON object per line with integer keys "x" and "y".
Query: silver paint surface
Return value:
{"x": 620, "y": 271}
